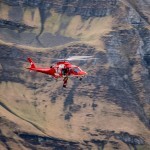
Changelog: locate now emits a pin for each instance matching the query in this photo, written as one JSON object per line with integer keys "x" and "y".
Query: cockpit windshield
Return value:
{"x": 76, "y": 69}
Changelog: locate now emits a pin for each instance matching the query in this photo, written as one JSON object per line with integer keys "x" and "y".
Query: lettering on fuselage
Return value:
{"x": 58, "y": 69}
{"x": 61, "y": 66}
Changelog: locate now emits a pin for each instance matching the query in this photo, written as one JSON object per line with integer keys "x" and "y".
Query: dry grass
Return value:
{"x": 136, "y": 70}
{"x": 148, "y": 27}
{"x": 31, "y": 48}
{"x": 93, "y": 28}
{"x": 31, "y": 17}
{"x": 27, "y": 17}
{"x": 50, "y": 116}
{"x": 121, "y": 145}
{"x": 2, "y": 146}
{"x": 88, "y": 31}
{"x": 4, "y": 11}
{"x": 107, "y": 116}
{"x": 23, "y": 125}
{"x": 98, "y": 44}
{"x": 20, "y": 102}
{"x": 76, "y": 27}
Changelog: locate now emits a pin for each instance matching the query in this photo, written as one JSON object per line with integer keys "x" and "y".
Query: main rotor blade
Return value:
{"x": 82, "y": 59}
{"x": 79, "y": 57}
{"x": 75, "y": 58}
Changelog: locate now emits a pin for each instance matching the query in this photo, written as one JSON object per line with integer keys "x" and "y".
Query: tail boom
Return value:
{"x": 49, "y": 71}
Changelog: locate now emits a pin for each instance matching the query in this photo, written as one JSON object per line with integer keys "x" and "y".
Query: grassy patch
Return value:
{"x": 4, "y": 11}
{"x": 143, "y": 147}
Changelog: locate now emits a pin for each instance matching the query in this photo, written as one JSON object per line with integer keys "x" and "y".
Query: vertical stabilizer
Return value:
{"x": 31, "y": 62}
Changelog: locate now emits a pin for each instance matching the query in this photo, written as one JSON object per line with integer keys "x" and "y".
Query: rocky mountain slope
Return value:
{"x": 109, "y": 109}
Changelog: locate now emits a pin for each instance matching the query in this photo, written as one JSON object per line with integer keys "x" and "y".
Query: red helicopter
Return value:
{"x": 62, "y": 69}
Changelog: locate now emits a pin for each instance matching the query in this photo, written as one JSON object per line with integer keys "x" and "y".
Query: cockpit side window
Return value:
{"x": 76, "y": 70}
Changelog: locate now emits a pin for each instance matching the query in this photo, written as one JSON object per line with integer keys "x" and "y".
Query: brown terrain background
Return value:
{"x": 109, "y": 109}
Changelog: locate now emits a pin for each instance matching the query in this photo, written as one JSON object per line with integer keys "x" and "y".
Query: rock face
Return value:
{"x": 72, "y": 7}
{"x": 109, "y": 109}
{"x": 53, "y": 19}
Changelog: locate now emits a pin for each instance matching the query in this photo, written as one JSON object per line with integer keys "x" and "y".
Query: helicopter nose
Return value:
{"x": 84, "y": 73}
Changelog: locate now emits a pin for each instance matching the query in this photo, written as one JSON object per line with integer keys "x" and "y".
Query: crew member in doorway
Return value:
{"x": 65, "y": 71}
